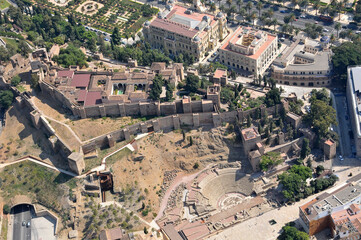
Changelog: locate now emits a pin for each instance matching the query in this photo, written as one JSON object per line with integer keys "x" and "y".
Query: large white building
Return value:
{"x": 249, "y": 50}
{"x": 353, "y": 94}
{"x": 185, "y": 30}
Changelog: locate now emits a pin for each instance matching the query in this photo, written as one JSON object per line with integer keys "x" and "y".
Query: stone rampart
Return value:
{"x": 142, "y": 109}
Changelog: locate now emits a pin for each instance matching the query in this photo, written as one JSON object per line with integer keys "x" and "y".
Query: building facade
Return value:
{"x": 249, "y": 50}
{"x": 181, "y": 30}
{"x": 316, "y": 215}
{"x": 304, "y": 64}
{"x": 353, "y": 96}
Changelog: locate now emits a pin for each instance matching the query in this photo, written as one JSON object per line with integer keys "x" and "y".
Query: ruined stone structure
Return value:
{"x": 75, "y": 159}
{"x": 135, "y": 109}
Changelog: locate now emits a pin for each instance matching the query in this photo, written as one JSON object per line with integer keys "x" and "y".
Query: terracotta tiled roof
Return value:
{"x": 66, "y": 73}
{"x": 80, "y": 80}
{"x": 93, "y": 98}
{"x": 173, "y": 27}
{"x": 220, "y": 73}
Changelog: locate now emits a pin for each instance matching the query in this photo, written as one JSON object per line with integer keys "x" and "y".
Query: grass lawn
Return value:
{"x": 4, "y": 4}
{"x": 43, "y": 185}
{"x": 21, "y": 88}
{"x": 4, "y": 229}
{"x": 11, "y": 42}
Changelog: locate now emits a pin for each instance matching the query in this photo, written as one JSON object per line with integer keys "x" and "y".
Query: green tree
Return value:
{"x": 306, "y": 150}
{"x": 6, "y": 209}
{"x": 273, "y": 97}
{"x": 270, "y": 160}
{"x": 116, "y": 36}
{"x": 34, "y": 81}
{"x": 292, "y": 233}
{"x": 145, "y": 230}
{"x": 319, "y": 170}
{"x": 156, "y": 90}
{"x": 321, "y": 116}
{"x": 169, "y": 92}
{"x": 15, "y": 80}
{"x": 192, "y": 83}
{"x": 71, "y": 56}
{"x": 303, "y": 171}
{"x": 6, "y": 98}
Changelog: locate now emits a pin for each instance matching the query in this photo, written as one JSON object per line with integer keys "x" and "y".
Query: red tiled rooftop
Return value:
{"x": 220, "y": 73}
{"x": 66, "y": 73}
{"x": 329, "y": 142}
{"x": 82, "y": 95}
{"x": 235, "y": 37}
{"x": 179, "y": 10}
{"x": 173, "y": 27}
{"x": 80, "y": 80}
{"x": 93, "y": 98}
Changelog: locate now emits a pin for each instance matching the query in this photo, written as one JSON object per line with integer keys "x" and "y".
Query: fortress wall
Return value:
{"x": 112, "y": 110}
{"x": 132, "y": 109}
{"x": 168, "y": 109}
{"x": 230, "y": 117}
{"x": 91, "y": 111}
{"x": 54, "y": 93}
{"x": 205, "y": 119}
{"x": 197, "y": 106}
{"x": 186, "y": 119}
{"x": 166, "y": 123}
{"x": 179, "y": 106}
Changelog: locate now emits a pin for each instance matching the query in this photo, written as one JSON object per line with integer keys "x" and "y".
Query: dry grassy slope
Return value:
{"x": 165, "y": 152}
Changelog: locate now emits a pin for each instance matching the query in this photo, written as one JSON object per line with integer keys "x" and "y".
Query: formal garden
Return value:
{"x": 127, "y": 15}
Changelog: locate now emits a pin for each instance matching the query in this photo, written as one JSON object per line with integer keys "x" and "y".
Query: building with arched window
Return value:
{"x": 250, "y": 51}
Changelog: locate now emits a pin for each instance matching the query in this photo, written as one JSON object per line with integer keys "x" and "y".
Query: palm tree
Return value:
{"x": 229, "y": 2}
{"x": 292, "y": 18}
{"x": 294, "y": 3}
{"x": 259, "y": 6}
{"x": 212, "y": 7}
{"x": 297, "y": 31}
{"x": 270, "y": 13}
{"x": 338, "y": 28}
{"x": 316, "y": 5}
{"x": 339, "y": 9}
{"x": 239, "y": 4}
{"x": 249, "y": 7}
{"x": 274, "y": 23}
{"x": 253, "y": 17}
{"x": 303, "y": 4}
{"x": 242, "y": 12}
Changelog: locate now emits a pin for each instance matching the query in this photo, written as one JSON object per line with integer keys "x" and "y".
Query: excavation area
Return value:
{"x": 217, "y": 197}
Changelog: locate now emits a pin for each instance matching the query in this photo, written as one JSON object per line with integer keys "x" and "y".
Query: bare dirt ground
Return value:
{"x": 163, "y": 152}
{"x": 19, "y": 138}
{"x": 65, "y": 134}
{"x": 85, "y": 129}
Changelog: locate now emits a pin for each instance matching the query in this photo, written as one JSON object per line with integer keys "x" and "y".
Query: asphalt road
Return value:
{"x": 21, "y": 214}
{"x": 344, "y": 125}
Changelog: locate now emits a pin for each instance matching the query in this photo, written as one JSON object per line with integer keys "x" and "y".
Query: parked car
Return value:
{"x": 24, "y": 223}
{"x": 28, "y": 224}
